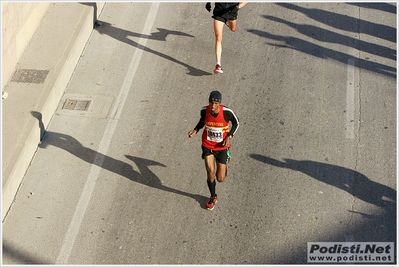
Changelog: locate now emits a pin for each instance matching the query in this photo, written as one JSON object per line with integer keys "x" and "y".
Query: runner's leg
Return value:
{"x": 221, "y": 171}
{"x": 218, "y": 28}
{"x": 232, "y": 25}
{"x": 210, "y": 170}
{"x": 210, "y": 167}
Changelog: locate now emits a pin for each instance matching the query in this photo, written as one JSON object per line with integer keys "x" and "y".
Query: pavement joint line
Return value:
{"x": 88, "y": 189}
{"x": 350, "y": 122}
{"x": 350, "y": 100}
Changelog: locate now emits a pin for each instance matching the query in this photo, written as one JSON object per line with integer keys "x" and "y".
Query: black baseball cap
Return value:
{"x": 215, "y": 96}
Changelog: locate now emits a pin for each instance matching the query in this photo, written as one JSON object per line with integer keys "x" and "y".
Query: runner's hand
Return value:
{"x": 191, "y": 133}
{"x": 226, "y": 142}
{"x": 208, "y": 6}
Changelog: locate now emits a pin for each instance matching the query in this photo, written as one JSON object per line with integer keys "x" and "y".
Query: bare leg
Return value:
{"x": 232, "y": 25}
{"x": 210, "y": 167}
{"x": 221, "y": 172}
{"x": 218, "y": 28}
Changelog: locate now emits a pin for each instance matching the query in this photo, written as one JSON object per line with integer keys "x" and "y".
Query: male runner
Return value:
{"x": 223, "y": 13}
{"x": 215, "y": 141}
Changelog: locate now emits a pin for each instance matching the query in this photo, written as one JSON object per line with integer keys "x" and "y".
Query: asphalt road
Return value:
{"x": 314, "y": 159}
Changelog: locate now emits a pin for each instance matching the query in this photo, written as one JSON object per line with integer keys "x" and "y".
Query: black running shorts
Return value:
{"x": 222, "y": 156}
{"x": 224, "y": 17}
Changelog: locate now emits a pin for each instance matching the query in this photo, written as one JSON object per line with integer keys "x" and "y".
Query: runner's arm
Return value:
{"x": 229, "y": 115}
{"x": 201, "y": 122}
{"x": 241, "y": 5}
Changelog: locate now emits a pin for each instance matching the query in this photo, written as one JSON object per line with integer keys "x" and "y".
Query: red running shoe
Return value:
{"x": 211, "y": 203}
{"x": 218, "y": 69}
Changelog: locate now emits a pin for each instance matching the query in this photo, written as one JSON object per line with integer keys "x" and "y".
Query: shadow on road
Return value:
{"x": 324, "y": 35}
{"x": 345, "y": 179}
{"x": 346, "y": 23}
{"x": 20, "y": 256}
{"x": 143, "y": 176}
{"x": 341, "y": 22}
{"x": 324, "y": 53}
{"x": 377, "y": 6}
{"x": 124, "y": 36}
{"x": 372, "y": 228}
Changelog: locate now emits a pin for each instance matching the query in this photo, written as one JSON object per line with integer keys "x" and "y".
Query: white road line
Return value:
{"x": 88, "y": 189}
{"x": 350, "y": 100}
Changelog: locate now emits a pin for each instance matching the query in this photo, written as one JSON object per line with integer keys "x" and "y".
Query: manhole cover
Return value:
{"x": 80, "y": 105}
{"x": 85, "y": 105}
{"x": 29, "y": 76}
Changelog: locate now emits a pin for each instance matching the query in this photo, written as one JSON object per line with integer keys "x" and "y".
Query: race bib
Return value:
{"x": 215, "y": 134}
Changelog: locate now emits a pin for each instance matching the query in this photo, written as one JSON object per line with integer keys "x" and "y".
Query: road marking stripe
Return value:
{"x": 88, "y": 189}
{"x": 350, "y": 100}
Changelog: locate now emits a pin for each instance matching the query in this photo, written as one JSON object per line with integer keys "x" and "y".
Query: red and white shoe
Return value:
{"x": 211, "y": 203}
{"x": 218, "y": 69}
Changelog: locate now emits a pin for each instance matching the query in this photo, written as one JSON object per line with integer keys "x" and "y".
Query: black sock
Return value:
{"x": 212, "y": 187}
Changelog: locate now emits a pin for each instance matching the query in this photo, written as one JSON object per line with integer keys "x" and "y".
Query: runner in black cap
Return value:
{"x": 215, "y": 141}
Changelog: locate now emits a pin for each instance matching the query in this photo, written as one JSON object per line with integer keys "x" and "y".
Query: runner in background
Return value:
{"x": 223, "y": 13}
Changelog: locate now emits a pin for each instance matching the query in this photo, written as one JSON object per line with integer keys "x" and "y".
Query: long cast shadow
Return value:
{"x": 343, "y": 178}
{"x": 324, "y": 53}
{"x": 144, "y": 176}
{"x": 345, "y": 23}
{"x": 356, "y": 184}
{"x": 324, "y": 35}
{"x": 123, "y": 36}
{"x": 21, "y": 256}
{"x": 386, "y": 7}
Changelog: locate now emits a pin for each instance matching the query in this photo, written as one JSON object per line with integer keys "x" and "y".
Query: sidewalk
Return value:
{"x": 38, "y": 84}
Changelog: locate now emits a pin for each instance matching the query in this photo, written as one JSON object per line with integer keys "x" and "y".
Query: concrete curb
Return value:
{"x": 21, "y": 129}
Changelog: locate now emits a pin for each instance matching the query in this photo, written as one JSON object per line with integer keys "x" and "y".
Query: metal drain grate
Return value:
{"x": 29, "y": 76}
{"x": 79, "y": 105}
{"x": 90, "y": 106}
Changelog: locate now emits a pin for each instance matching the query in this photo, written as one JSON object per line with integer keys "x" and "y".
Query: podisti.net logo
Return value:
{"x": 351, "y": 252}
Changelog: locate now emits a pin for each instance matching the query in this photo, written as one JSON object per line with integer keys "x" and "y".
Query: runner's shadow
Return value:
{"x": 386, "y": 7}
{"x": 345, "y": 179}
{"x": 324, "y": 35}
{"x": 22, "y": 256}
{"x": 125, "y": 35}
{"x": 152, "y": 180}
{"x": 345, "y": 22}
{"x": 322, "y": 52}
{"x": 143, "y": 176}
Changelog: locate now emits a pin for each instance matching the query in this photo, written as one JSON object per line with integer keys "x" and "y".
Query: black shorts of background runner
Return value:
{"x": 221, "y": 156}
{"x": 226, "y": 14}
